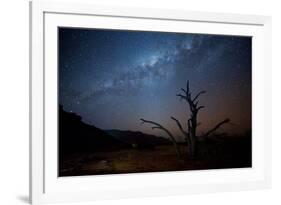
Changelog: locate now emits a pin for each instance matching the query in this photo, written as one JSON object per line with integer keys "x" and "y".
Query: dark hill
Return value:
{"x": 77, "y": 136}
{"x": 134, "y": 137}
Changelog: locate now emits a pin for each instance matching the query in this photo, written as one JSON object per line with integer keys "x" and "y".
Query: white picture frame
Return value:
{"x": 46, "y": 187}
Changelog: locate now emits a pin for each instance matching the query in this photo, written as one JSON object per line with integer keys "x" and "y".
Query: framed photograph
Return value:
{"x": 129, "y": 102}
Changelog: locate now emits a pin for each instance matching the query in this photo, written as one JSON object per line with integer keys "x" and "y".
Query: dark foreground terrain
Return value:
{"x": 160, "y": 158}
{"x": 87, "y": 150}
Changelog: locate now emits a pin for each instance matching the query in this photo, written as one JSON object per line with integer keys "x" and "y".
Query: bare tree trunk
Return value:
{"x": 192, "y": 121}
{"x": 189, "y": 143}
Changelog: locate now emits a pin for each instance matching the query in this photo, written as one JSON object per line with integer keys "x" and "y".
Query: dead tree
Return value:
{"x": 192, "y": 123}
{"x": 190, "y": 135}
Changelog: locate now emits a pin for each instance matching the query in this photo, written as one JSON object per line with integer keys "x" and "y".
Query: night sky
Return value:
{"x": 112, "y": 78}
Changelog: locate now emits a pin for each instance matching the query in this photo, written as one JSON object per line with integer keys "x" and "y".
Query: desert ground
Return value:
{"x": 218, "y": 154}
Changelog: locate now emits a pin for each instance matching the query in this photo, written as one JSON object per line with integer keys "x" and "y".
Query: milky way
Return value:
{"x": 113, "y": 78}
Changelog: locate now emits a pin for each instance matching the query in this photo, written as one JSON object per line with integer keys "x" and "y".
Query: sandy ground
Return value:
{"x": 161, "y": 158}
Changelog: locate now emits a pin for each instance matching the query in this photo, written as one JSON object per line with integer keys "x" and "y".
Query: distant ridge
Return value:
{"x": 77, "y": 136}
{"x": 136, "y": 137}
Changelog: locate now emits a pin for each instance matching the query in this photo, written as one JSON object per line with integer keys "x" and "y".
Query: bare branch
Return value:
{"x": 158, "y": 126}
{"x": 179, "y": 125}
{"x": 184, "y": 90}
{"x": 200, "y": 93}
{"x": 155, "y": 128}
{"x": 216, "y": 127}
{"x": 200, "y": 107}
{"x": 181, "y": 96}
